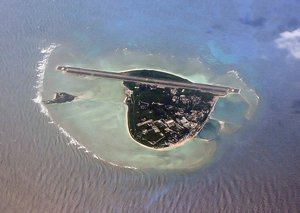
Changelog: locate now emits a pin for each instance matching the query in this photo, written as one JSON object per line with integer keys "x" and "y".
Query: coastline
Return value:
{"x": 179, "y": 143}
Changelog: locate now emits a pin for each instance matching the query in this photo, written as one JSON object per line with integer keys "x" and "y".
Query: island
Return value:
{"x": 60, "y": 97}
{"x": 161, "y": 117}
{"x": 164, "y": 110}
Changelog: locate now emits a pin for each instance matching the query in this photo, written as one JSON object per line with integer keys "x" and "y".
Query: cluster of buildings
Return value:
{"x": 179, "y": 115}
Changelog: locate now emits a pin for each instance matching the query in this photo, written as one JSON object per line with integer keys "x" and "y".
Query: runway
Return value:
{"x": 214, "y": 89}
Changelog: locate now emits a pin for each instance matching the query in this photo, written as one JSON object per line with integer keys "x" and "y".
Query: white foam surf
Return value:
{"x": 238, "y": 77}
{"x": 40, "y": 70}
{"x": 247, "y": 93}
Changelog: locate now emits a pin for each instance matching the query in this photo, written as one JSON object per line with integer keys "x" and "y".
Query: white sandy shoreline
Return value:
{"x": 182, "y": 141}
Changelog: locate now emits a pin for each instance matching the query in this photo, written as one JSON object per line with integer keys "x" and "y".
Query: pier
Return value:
{"x": 214, "y": 89}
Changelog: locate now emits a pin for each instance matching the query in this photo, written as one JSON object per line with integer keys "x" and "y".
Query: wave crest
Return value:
{"x": 41, "y": 68}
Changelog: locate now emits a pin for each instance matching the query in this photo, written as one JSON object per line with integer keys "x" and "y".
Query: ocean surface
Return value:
{"x": 78, "y": 157}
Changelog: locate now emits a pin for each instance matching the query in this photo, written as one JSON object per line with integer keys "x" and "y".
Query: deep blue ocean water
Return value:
{"x": 256, "y": 170}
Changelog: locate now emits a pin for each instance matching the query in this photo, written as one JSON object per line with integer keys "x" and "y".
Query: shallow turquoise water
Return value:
{"x": 255, "y": 167}
{"x": 97, "y": 119}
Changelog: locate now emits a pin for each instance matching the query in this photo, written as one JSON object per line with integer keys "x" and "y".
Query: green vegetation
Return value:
{"x": 155, "y": 74}
{"x": 160, "y": 117}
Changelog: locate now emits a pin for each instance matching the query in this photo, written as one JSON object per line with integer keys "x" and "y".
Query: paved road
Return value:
{"x": 216, "y": 90}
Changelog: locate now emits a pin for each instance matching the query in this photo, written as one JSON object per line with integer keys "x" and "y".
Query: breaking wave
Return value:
{"x": 40, "y": 70}
{"x": 97, "y": 90}
{"x": 247, "y": 93}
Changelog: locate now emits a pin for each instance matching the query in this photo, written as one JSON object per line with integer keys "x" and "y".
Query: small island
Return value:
{"x": 164, "y": 117}
{"x": 60, "y": 97}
